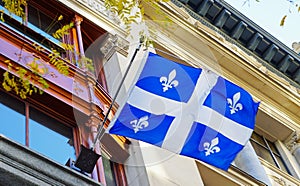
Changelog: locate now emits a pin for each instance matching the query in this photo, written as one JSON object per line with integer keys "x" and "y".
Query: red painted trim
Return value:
{"x": 120, "y": 175}
{"x": 26, "y": 124}
{"x": 76, "y": 140}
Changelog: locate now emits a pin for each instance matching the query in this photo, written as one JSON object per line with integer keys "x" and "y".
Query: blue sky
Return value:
{"x": 268, "y": 14}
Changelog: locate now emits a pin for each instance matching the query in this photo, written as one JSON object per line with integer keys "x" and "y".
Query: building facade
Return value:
{"x": 41, "y": 136}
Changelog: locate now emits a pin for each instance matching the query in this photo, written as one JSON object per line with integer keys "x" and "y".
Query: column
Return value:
{"x": 293, "y": 144}
{"x": 78, "y": 21}
{"x": 248, "y": 162}
{"x": 92, "y": 124}
{"x": 115, "y": 57}
{"x": 94, "y": 121}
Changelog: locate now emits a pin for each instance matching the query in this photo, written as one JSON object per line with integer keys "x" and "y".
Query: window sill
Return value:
{"x": 276, "y": 174}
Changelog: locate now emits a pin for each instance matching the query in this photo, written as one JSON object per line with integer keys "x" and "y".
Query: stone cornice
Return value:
{"x": 229, "y": 60}
{"x": 277, "y": 175}
{"x": 95, "y": 11}
{"x": 214, "y": 38}
{"x": 216, "y": 15}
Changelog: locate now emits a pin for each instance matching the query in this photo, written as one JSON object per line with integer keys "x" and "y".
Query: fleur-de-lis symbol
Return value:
{"x": 211, "y": 147}
{"x": 233, "y": 104}
{"x": 169, "y": 82}
{"x": 139, "y": 124}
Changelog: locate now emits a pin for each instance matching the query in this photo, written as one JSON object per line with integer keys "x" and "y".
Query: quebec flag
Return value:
{"x": 189, "y": 111}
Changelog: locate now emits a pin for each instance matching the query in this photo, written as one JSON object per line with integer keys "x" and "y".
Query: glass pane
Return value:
{"x": 257, "y": 138}
{"x": 281, "y": 164}
{"x": 108, "y": 171}
{"x": 42, "y": 20}
{"x": 263, "y": 153}
{"x": 273, "y": 147}
{"x": 12, "y": 118}
{"x": 50, "y": 137}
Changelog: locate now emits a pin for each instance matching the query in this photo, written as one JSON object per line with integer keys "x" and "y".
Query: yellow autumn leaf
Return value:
{"x": 283, "y": 20}
{"x": 60, "y": 17}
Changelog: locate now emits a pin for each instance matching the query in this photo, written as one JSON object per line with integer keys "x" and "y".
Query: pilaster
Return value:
{"x": 92, "y": 125}
{"x": 293, "y": 144}
{"x": 115, "y": 51}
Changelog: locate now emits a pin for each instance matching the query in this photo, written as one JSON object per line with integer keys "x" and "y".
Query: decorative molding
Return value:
{"x": 211, "y": 25}
{"x": 272, "y": 170}
{"x": 98, "y": 7}
{"x": 247, "y": 61}
{"x": 110, "y": 114}
{"x": 77, "y": 89}
{"x": 293, "y": 141}
{"x": 112, "y": 44}
{"x": 93, "y": 122}
{"x": 78, "y": 20}
{"x": 280, "y": 181}
{"x": 296, "y": 47}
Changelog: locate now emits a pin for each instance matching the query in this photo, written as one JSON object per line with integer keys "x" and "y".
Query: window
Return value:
{"x": 41, "y": 21}
{"x": 108, "y": 171}
{"x": 267, "y": 151}
{"x": 12, "y": 118}
{"x": 31, "y": 127}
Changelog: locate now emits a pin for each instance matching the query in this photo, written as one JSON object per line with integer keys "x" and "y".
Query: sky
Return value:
{"x": 268, "y": 14}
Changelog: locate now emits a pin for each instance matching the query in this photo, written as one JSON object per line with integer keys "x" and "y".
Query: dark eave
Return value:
{"x": 238, "y": 29}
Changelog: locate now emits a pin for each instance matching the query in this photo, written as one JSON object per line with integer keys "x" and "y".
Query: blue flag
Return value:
{"x": 189, "y": 111}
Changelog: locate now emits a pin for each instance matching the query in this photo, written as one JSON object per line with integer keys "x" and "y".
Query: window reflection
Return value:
{"x": 267, "y": 151}
{"x": 109, "y": 171}
{"x": 50, "y": 137}
{"x": 43, "y": 21}
{"x": 46, "y": 135}
{"x": 12, "y": 123}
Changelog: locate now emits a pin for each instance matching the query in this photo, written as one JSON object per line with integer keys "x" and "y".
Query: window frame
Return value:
{"x": 266, "y": 146}
{"x": 117, "y": 169}
{"x": 26, "y": 124}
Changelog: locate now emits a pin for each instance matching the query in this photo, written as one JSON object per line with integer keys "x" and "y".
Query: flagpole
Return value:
{"x": 100, "y": 128}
